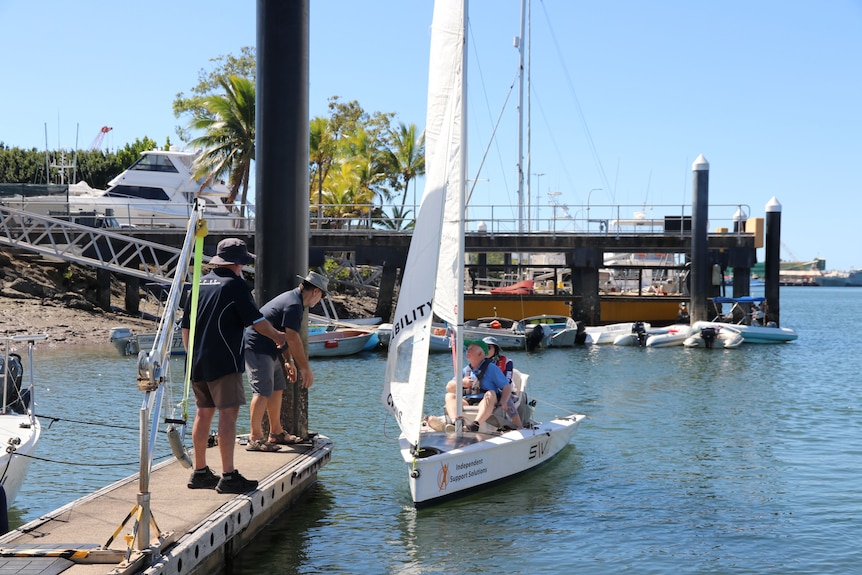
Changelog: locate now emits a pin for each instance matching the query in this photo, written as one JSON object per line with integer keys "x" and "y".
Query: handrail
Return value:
{"x": 497, "y": 219}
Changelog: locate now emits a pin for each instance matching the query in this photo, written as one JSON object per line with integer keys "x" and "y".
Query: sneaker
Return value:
{"x": 233, "y": 482}
{"x": 449, "y": 428}
{"x": 204, "y": 479}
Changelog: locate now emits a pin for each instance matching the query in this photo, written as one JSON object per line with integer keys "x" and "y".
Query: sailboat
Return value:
{"x": 19, "y": 427}
{"x": 442, "y": 465}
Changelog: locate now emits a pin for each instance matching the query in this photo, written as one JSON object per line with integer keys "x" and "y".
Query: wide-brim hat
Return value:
{"x": 319, "y": 281}
{"x": 479, "y": 342}
{"x": 232, "y": 251}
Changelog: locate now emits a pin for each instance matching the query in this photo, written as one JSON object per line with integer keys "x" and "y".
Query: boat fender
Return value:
{"x": 176, "y": 442}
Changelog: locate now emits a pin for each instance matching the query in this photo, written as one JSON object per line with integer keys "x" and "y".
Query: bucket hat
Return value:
{"x": 479, "y": 342}
{"x": 491, "y": 340}
{"x": 319, "y": 281}
{"x": 232, "y": 251}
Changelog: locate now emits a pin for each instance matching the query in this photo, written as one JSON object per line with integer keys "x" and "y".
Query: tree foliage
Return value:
{"x": 97, "y": 168}
{"x": 228, "y": 140}
{"x": 380, "y": 161}
{"x": 210, "y": 82}
{"x": 360, "y": 165}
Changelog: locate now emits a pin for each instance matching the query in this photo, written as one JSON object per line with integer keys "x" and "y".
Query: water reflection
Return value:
{"x": 284, "y": 546}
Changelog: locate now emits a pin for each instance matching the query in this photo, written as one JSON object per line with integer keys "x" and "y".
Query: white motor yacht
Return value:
{"x": 158, "y": 190}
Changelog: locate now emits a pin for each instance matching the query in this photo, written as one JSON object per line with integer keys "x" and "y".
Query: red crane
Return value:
{"x": 97, "y": 141}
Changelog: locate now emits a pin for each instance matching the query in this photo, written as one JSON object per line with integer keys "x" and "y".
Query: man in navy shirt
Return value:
{"x": 264, "y": 366}
{"x": 225, "y": 308}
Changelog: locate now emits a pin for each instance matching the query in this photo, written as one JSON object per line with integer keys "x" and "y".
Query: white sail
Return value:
{"x": 434, "y": 262}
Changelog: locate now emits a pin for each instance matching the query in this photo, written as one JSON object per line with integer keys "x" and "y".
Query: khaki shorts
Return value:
{"x": 265, "y": 373}
{"x": 226, "y": 391}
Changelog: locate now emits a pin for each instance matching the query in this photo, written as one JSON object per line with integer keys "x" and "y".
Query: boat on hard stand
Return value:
{"x": 158, "y": 190}
{"x": 438, "y": 464}
{"x": 20, "y": 429}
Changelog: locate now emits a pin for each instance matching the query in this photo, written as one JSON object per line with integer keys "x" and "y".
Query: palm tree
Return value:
{"x": 228, "y": 141}
{"x": 322, "y": 149}
{"x": 368, "y": 161}
{"x": 407, "y": 158}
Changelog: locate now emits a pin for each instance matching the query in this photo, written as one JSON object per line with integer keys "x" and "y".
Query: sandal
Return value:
{"x": 261, "y": 445}
{"x": 284, "y": 438}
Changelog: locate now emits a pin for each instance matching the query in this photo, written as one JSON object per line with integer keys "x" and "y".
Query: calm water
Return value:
{"x": 691, "y": 461}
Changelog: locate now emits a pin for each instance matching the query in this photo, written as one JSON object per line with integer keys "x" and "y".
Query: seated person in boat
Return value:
{"x": 501, "y": 361}
{"x": 758, "y": 314}
{"x": 484, "y": 385}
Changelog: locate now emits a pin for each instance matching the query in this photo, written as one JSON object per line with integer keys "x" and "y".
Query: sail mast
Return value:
{"x": 458, "y": 342}
{"x": 521, "y": 120}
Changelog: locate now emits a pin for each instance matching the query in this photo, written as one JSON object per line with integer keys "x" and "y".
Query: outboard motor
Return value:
{"x": 639, "y": 331}
{"x": 11, "y": 378}
{"x": 708, "y": 334}
{"x": 535, "y": 337}
{"x": 581, "y": 335}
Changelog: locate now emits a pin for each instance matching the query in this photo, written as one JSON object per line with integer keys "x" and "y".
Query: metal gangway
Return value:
{"x": 85, "y": 245}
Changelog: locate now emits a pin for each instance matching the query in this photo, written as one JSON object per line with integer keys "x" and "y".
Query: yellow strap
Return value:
{"x": 200, "y": 234}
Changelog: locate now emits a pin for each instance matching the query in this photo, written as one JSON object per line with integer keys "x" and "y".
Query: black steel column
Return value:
{"x": 584, "y": 265}
{"x": 773, "y": 260}
{"x": 133, "y": 294}
{"x": 701, "y": 274}
{"x": 281, "y": 166}
{"x": 281, "y": 154}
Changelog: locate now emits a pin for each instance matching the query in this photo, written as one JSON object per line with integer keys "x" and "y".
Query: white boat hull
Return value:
{"x": 440, "y": 342}
{"x": 507, "y": 339}
{"x": 128, "y": 343}
{"x": 676, "y": 335}
{"x": 753, "y": 333}
{"x": 19, "y": 434}
{"x": 474, "y": 461}
{"x": 726, "y": 337}
{"x": 507, "y": 332}
{"x": 606, "y": 334}
{"x": 559, "y": 331}
{"x": 337, "y": 343}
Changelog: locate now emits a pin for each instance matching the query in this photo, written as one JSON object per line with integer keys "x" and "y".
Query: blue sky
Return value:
{"x": 624, "y": 94}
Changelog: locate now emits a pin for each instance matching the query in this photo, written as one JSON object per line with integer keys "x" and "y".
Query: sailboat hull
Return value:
{"x": 462, "y": 464}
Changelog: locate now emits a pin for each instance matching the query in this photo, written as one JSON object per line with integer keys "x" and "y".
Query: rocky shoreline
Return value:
{"x": 56, "y": 298}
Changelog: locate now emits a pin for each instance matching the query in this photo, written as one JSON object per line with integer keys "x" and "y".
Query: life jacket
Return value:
{"x": 477, "y": 393}
{"x": 501, "y": 362}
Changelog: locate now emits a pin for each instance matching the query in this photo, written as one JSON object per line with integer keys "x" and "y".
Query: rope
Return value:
{"x": 53, "y": 419}
{"x": 554, "y": 405}
{"x": 87, "y": 463}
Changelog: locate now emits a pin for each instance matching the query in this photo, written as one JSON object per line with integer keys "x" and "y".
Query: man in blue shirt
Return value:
{"x": 484, "y": 385}
{"x": 225, "y": 308}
